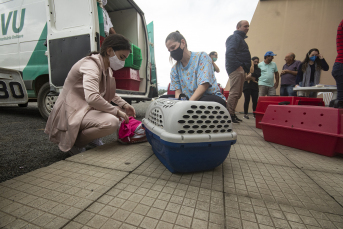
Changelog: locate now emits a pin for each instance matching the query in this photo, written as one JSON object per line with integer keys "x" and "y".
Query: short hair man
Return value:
{"x": 266, "y": 85}
{"x": 237, "y": 62}
{"x": 289, "y": 75}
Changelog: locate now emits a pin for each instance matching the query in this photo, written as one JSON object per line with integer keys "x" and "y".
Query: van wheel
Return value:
{"x": 45, "y": 102}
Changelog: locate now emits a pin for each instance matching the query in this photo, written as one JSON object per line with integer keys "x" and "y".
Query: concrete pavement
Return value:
{"x": 260, "y": 185}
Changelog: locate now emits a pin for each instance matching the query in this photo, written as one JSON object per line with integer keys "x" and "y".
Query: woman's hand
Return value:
{"x": 130, "y": 110}
{"x": 121, "y": 115}
{"x": 320, "y": 56}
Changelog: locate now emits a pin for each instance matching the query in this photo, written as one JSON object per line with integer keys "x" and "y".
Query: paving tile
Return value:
{"x": 209, "y": 179}
{"x": 253, "y": 141}
{"x": 73, "y": 188}
{"x": 148, "y": 202}
{"x": 246, "y": 132}
{"x": 274, "y": 183}
{"x": 316, "y": 162}
{"x": 259, "y": 154}
{"x": 332, "y": 183}
{"x": 245, "y": 212}
{"x": 115, "y": 156}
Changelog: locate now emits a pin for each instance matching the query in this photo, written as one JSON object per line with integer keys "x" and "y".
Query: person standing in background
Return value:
{"x": 250, "y": 87}
{"x": 214, "y": 57}
{"x": 288, "y": 75}
{"x": 310, "y": 70}
{"x": 237, "y": 62}
{"x": 337, "y": 70}
{"x": 108, "y": 26}
{"x": 266, "y": 85}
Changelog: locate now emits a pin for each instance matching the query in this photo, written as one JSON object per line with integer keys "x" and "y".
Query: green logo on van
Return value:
{"x": 5, "y": 23}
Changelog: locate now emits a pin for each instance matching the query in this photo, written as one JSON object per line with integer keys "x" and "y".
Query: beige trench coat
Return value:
{"x": 88, "y": 86}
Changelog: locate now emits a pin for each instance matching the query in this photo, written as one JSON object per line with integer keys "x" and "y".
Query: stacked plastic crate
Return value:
{"x": 128, "y": 77}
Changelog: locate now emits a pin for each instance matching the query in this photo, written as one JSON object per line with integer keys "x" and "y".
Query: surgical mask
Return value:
{"x": 104, "y": 2}
{"x": 214, "y": 59}
{"x": 115, "y": 63}
{"x": 177, "y": 54}
{"x": 313, "y": 58}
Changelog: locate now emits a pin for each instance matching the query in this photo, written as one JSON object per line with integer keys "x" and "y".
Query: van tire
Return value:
{"x": 45, "y": 102}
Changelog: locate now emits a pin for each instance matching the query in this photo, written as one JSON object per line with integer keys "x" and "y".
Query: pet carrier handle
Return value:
{"x": 183, "y": 97}
{"x": 284, "y": 103}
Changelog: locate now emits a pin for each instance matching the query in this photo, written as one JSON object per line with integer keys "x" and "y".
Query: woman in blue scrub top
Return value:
{"x": 193, "y": 73}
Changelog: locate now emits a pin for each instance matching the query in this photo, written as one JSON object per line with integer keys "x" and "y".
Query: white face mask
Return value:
{"x": 115, "y": 63}
{"x": 104, "y": 2}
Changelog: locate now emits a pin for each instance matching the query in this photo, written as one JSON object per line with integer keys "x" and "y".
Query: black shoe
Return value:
{"x": 238, "y": 119}
{"x": 336, "y": 103}
{"x": 234, "y": 119}
{"x": 246, "y": 116}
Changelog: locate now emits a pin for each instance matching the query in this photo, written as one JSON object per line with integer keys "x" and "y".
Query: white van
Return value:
{"x": 71, "y": 29}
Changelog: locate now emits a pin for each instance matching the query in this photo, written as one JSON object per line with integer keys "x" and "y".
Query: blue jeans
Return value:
{"x": 287, "y": 90}
{"x": 337, "y": 73}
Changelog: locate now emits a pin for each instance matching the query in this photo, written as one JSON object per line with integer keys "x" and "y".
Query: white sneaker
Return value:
{"x": 96, "y": 142}
{"x": 76, "y": 150}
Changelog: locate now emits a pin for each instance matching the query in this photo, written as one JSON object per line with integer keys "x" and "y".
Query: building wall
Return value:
{"x": 285, "y": 26}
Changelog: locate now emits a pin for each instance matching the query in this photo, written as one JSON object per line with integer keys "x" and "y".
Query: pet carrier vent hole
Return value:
{"x": 226, "y": 117}
{"x": 229, "y": 130}
{"x": 211, "y": 117}
{"x": 199, "y": 131}
{"x": 207, "y": 131}
{"x": 212, "y": 126}
{"x": 210, "y": 107}
{"x": 215, "y": 121}
{"x": 222, "y": 131}
{"x": 186, "y": 126}
{"x": 222, "y": 121}
{"x": 215, "y": 131}
{"x": 219, "y": 126}
{"x": 198, "y": 111}
{"x": 228, "y": 121}
{"x": 221, "y": 112}
{"x": 194, "y": 107}
{"x": 182, "y": 131}
{"x": 195, "y": 126}
{"x": 186, "y": 116}
{"x": 190, "y": 112}
{"x": 203, "y": 126}
{"x": 195, "y": 116}
{"x": 226, "y": 126}
{"x": 207, "y": 112}
{"x": 203, "y": 116}
{"x": 202, "y": 107}
{"x": 200, "y": 121}
{"x": 208, "y": 121}
{"x": 218, "y": 108}
{"x": 191, "y": 121}
{"x": 214, "y": 112}
{"x": 219, "y": 116}
{"x": 191, "y": 131}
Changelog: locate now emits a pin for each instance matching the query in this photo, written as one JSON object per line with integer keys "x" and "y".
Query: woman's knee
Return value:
{"x": 110, "y": 124}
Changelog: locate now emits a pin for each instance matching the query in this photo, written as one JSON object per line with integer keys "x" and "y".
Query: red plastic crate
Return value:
{"x": 265, "y": 101}
{"x": 170, "y": 92}
{"x": 127, "y": 79}
{"x": 226, "y": 94}
{"x": 311, "y": 128}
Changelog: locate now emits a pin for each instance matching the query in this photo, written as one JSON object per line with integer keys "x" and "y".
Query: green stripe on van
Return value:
{"x": 38, "y": 62}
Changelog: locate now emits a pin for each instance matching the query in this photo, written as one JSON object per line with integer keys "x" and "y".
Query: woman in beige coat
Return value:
{"x": 83, "y": 112}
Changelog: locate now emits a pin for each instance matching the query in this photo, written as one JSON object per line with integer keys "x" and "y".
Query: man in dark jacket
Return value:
{"x": 238, "y": 62}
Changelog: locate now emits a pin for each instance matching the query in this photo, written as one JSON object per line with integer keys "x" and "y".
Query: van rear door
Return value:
{"x": 72, "y": 35}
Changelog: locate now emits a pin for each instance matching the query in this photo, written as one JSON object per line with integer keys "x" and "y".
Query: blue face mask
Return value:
{"x": 313, "y": 58}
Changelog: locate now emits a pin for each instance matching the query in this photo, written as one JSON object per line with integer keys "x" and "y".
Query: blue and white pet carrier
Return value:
{"x": 189, "y": 136}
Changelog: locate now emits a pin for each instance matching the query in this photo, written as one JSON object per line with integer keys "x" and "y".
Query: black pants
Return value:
{"x": 207, "y": 98}
{"x": 254, "y": 96}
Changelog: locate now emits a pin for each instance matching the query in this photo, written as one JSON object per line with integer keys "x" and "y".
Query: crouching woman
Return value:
{"x": 83, "y": 112}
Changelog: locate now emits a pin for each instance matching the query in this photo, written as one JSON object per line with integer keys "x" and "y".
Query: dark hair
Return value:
{"x": 254, "y": 58}
{"x": 307, "y": 59}
{"x": 116, "y": 42}
{"x": 175, "y": 36}
{"x": 265, "y": 57}
{"x": 212, "y": 53}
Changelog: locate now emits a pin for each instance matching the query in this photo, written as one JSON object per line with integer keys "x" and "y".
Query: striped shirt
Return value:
{"x": 339, "y": 43}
